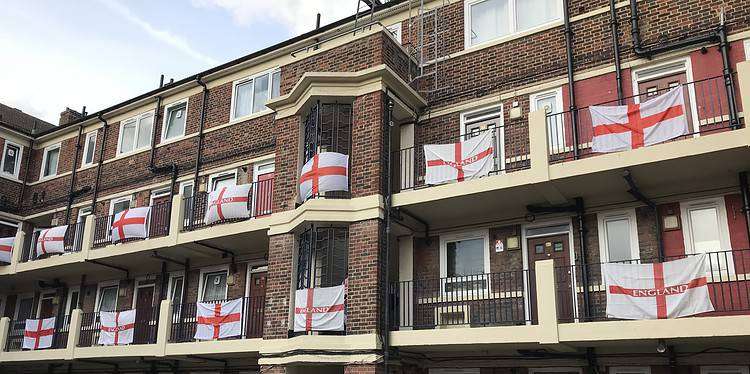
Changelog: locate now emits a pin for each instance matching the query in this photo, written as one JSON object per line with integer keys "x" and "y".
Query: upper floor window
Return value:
{"x": 551, "y": 103}
{"x": 88, "y": 149}
{"x": 328, "y": 128}
{"x": 135, "y": 133}
{"x": 490, "y": 19}
{"x": 618, "y": 236}
{"x": 50, "y": 160}
{"x": 223, "y": 179}
{"x": 107, "y": 300}
{"x": 395, "y": 30}
{"x": 251, "y": 94}
{"x": 322, "y": 257}
{"x": 175, "y": 115}
{"x": 11, "y": 162}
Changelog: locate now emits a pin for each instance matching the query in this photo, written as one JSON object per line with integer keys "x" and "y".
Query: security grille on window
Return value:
{"x": 328, "y": 128}
{"x": 322, "y": 258}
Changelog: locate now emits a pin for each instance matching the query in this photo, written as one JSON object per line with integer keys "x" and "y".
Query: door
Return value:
{"x": 651, "y": 88}
{"x": 491, "y": 120}
{"x": 145, "y": 325}
{"x": 263, "y": 200}
{"x": 46, "y": 306}
{"x": 256, "y": 303}
{"x": 556, "y": 248}
{"x": 160, "y": 210}
{"x": 25, "y": 310}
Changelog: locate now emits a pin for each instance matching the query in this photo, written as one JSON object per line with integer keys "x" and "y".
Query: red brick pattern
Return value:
{"x": 364, "y": 312}
{"x": 278, "y": 286}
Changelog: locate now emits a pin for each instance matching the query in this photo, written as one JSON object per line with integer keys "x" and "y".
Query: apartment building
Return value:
{"x": 499, "y": 274}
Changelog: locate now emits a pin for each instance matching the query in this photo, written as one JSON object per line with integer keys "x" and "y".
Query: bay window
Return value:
{"x": 250, "y": 94}
{"x": 491, "y": 19}
{"x": 322, "y": 259}
{"x": 135, "y": 133}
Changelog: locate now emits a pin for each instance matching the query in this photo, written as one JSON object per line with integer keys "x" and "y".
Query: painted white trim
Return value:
{"x": 165, "y": 118}
{"x": 627, "y": 214}
{"x": 186, "y": 183}
{"x": 44, "y": 296}
{"x": 137, "y": 119}
{"x": 106, "y": 284}
{"x": 493, "y": 110}
{"x": 170, "y": 283}
{"x": 725, "y": 369}
{"x": 138, "y": 286}
{"x": 116, "y": 200}
{"x": 214, "y": 176}
{"x": 19, "y": 160}
{"x": 210, "y": 270}
{"x": 512, "y": 21}
{"x": 250, "y": 78}
{"x": 47, "y": 149}
{"x": 714, "y": 202}
{"x": 746, "y": 45}
{"x": 71, "y": 290}
{"x": 395, "y": 31}
{"x": 629, "y": 370}
{"x": 555, "y": 93}
{"x": 157, "y": 193}
{"x": 91, "y": 134}
{"x": 468, "y": 235}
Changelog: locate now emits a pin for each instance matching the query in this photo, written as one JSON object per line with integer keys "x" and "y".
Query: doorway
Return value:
{"x": 552, "y": 243}
{"x": 256, "y": 300}
{"x": 145, "y": 324}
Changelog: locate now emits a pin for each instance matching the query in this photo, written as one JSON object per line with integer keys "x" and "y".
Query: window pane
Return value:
{"x": 50, "y": 166}
{"x": 90, "y": 147}
{"x": 144, "y": 131}
{"x": 704, "y": 224}
{"x": 465, "y": 257}
{"x": 531, "y": 13}
{"x": 10, "y": 159}
{"x": 73, "y": 302}
{"x": 128, "y": 137}
{"x": 187, "y": 190}
{"x": 176, "y": 290}
{"x": 276, "y": 84}
{"x": 261, "y": 93}
{"x": 108, "y": 299}
{"x": 120, "y": 206}
{"x": 489, "y": 19}
{"x": 175, "y": 121}
{"x": 243, "y": 94}
{"x": 215, "y": 286}
{"x": 618, "y": 239}
{"x": 223, "y": 181}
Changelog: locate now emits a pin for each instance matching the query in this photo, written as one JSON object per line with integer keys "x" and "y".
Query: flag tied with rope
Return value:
{"x": 6, "y": 248}
{"x": 319, "y": 309}
{"x": 624, "y": 127}
{"x": 327, "y": 171}
{"x": 227, "y": 203}
{"x": 218, "y": 320}
{"x": 38, "y": 333}
{"x": 117, "y": 327}
{"x": 468, "y": 159}
{"x": 657, "y": 291}
{"x": 131, "y": 224}
{"x": 51, "y": 240}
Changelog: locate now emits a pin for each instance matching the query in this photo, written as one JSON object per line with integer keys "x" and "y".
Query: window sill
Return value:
{"x": 174, "y": 140}
{"x": 10, "y": 177}
{"x": 249, "y": 116}
{"x": 504, "y": 39}
{"x": 128, "y": 154}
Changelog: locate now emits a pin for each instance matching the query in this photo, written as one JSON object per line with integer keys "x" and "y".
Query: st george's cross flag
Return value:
{"x": 319, "y": 309}
{"x": 327, "y": 171}
{"x": 468, "y": 159}
{"x": 228, "y": 202}
{"x": 624, "y": 127}
{"x": 117, "y": 327}
{"x": 51, "y": 240}
{"x": 221, "y": 319}
{"x": 6, "y": 249}
{"x": 38, "y": 333}
{"x": 658, "y": 291}
{"x": 131, "y": 224}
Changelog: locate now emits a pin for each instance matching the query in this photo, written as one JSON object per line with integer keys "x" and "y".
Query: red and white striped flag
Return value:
{"x": 38, "y": 333}
{"x": 51, "y": 240}
{"x": 327, "y": 171}
{"x": 219, "y": 320}
{"x": 469, "y": 159}
{"x": 320, "y": 309}
{"x": 130, "y": 224}
{"x": 117, "y": 327}
{"x": 228, "y": 203}
{"x": 6, "y": 249}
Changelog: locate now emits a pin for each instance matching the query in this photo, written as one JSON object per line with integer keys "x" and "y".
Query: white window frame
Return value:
{"x": 719, "y": 204}
{"x": 91, "y": 134}
{"x": 493, "y": 110}
{"x": 476, "y": 234}
{"x": 211, "y": 270}
{"x": 746, "y": 45}
{"x": 44, "y": 296}
{"x": 116, "y": 200}
{"x": 184, "y": 184}
{"x": 19, "y": 159}
{"x": 396, "y": 33}
{"x": 213, "y": 177}
{"x": 725, "y": 369}
{"x": 164, "y": 138}
{"x": 114, "y": 283}
{"x": 557, "y": 94}
{"x": 138, "y": 285}
{"x": 170, "y": 283}
{"x": 629, "y": 370}
{"x": 44, "y": 160}
{"x": 270, "y": 73}
{"x": 137, "y": 120}
{"x": 157, "y": 193}
{"x": 629, "y": 215}
{"x": 513, "y": 21}
{"x": 70, "y": 293}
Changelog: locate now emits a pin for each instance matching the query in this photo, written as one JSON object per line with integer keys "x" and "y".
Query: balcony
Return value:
{"x": 158, "y": 226}
{"x": 184, "y": 320}
{"x": 73, "y": 242}
{"x": 259, "y": 200}
{"x": 144, "y": 331}
{"x": 14, "y": 342}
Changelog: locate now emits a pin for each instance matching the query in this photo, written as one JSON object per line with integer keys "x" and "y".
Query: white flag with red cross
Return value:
{"x": 624, "y": 127}
{"x": 116, "y": 327}
{"x": 131, "y": 224}
{"x": 38, "y": 333}
{"x": 51, "y": 240}
{"x": 6, "y": 248}
{"x": 319, "y": 309}
{"x": 657, "y": 291}
{"x": 219, "y": 320}
{"x": 227, "y": 203}
{"x": 327, "y": 171}
{"x": 468, "y": 159}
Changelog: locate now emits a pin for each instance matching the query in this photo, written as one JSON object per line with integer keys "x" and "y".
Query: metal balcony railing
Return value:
{"x": 144, "y": 331}
{"x": 72, "y": 242}
{"x": 184, "y": 320}
{"x": 16, "y": 333}
{"x": 158, "y": 225}
{"x": 260, "y": 203}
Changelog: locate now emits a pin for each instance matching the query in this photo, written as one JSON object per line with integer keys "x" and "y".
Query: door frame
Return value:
{"x": 70, "y": 293}
{"x": 525, "y": 255}
{"x": 137, "y": 285}
{"x": 17, "y": 307}
{"x": 44, "y": 296}
{"x": 256, "y": 172}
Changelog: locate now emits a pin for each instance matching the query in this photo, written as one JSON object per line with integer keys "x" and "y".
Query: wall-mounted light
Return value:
{"x": 661, "y": 346}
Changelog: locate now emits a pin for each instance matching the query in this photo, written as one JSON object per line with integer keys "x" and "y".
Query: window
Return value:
{"x": 118, "y": 205}
{"x": 135, "y": 133}
{"x": 223, "y": 179}
{"x": 72, "y": 303}
{"x": 395, "y": 30}
{"x": 551, "y": 102}
{"x": 214, "y": 286}
{"x": 11, "y": 162}
{"x": 462, "y": 256}
{"x": 487, "y": 119}
{"x": 251, "y": 94}
{"x": 175, "y": 116}
{"x": 107, "y": 297}
{"x": 88, "y": 149}
{"x": 322, "y": 257}
{"x": 50, "y": 160}
{"x": 490, "y": 19}
{"x": 176, "y": 282}
{"x": 618, "y": 236}
{"x": 705, "y": 230}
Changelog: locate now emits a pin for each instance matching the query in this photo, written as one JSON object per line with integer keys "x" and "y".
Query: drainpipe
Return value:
{"x": 580, "y": 211}
{"x": 99, "y": 164}
{"x": 745, "y": 200}
{"x": 26, "y": 169}
{"x": 73, "y": 175}
{"x": 200, "y": 147}
{"x": 649, "y": 52}
{"x": 152, "y": 157}
{"x": 571, "y": 82}
{"x": 727, "y": 72}
{"x": 615, "y": 26}
{"x": 636, "y": 193}
{"x": 388, "y": 195}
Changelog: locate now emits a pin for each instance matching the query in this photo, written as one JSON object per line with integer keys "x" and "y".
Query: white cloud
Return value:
{"x": 297, "y": 16}
{"x": 164, "y": 36}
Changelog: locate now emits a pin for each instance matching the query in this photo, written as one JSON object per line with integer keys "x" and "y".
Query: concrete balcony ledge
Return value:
{"x": 38, "y": 355}
{"x": 137, "y": 350}
{"x": 339, "y": 210}
{"x": 529, "y": 334}
{"x": 364, "y": 348}
{"x": 248, "y": 346}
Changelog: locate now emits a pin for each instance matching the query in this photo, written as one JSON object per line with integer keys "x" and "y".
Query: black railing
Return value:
{"x": 494, "y": 299}
{"x": 511, "y": 150}
{"x": 184, "y": 320}
{"x": 144, "y": 331}
{"x": 728, "y": 285}
{"x": 259, "y": 203}
{"x": 158, "y": 225}
{"x": 16, "y": 333}
{"x": 709, "y": 96}
{"x": 72, "y": 242}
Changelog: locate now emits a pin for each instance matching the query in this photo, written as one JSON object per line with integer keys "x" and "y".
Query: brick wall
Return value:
{"x": 278, "y": 286}
{"x": 366, "y": 269}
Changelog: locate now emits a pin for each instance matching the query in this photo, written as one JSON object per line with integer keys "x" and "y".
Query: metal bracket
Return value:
{"x": 96, "y": 262}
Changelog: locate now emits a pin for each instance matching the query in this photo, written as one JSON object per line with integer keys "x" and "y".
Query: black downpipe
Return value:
{"x": 152, "y": 157}
{"x": 727, "y": 72}
{"x": 636, "y": 193}
{"x": 615, "y": 26}
{"x": 99, "y": 165}
{"x": 26, "y": 170}
{"x": 164, "y": 281}
{"x": 580, "y": 211}
{"x": 200, "y": 148}
{"x": 649, "y": 52}
{"x": 745, "y": 190}
{"x": 71, "y": 196}
{"x": 571, "y": 82}
{"x": 387, "y": 327}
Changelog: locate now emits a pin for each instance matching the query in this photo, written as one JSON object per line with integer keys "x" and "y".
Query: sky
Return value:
{"x": 57, "y": 54}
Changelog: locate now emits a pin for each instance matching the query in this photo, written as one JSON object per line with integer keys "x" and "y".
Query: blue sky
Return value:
{"x": 99, "y": 52}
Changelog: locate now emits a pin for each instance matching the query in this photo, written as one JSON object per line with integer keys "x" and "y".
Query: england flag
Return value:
{"x": 117, "y": 327}
{"x": 38, "y": 333}
{"x": 469, "y": 159}
{"x": 6, "y": 249}
{"x": 51, "y": 240}
{"x": 228, "y": 203}
{"x": 320, "y": 309}
{"x": 131, "y": 224}
{"x": 218, "y": 320}
{"x": 327, "y": 171}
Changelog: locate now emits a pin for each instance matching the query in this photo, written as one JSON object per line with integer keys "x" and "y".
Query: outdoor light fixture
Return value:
{"x": 661, "y": 346}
